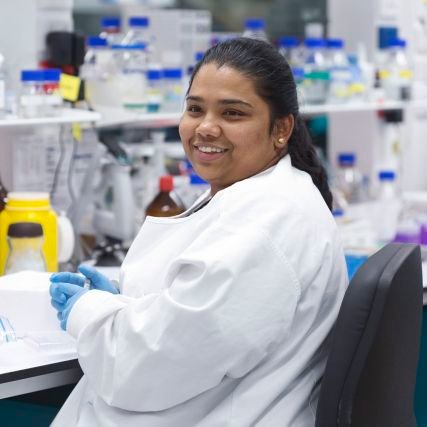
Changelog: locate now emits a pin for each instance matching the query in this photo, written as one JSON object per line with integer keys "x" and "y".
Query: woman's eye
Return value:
{"x": 194, "y": 109}
{"x": 233, "y": 113}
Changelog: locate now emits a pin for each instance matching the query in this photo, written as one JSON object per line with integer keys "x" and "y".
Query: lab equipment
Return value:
{"x": 316, "y": 72}
{"x": 7, "y": 332}
{"x": 25, "y": 240}
{"x": 165, "y": 203}
{"x": 154, "y": 90}
{"x": 30, "y": 207}
{"x": 110, "y": 30}
{"x": 288, "y": 47}
{"x": 173, "y": 90}
{"x": 137, "y": 34}
{"x": 255, "y": 29}
{"x": 348, "y": 179}
{"x": 32, "y": 96}
{"x": 52, "y": 98}
{"x": 2, "y": 87}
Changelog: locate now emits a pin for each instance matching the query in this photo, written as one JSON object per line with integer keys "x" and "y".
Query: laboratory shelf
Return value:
{"x": 66, "y": 115}
{"x": 112, "y": 117}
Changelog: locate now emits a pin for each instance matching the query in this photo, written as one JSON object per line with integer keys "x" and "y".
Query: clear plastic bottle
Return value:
{"x": 2, "y": 87}
{"x": 165, "y": 203}
{"x": 25, "y": 240}
{"x": 154, "y": 90}
{"x": 340, "y": 75}
{"x": 288, "y": 47}
{"x": 255, "y": 29}
{"x": 53, "y": 100}
{"x": 397, "y": 75}
{"x": 349, "y": 180}
{"x": 110, "y": 30}
{"x": 32, "y": 96}
{"x": 138, "y": 34}
{"x": 173, "y": 87}
{"x": 390, "y": 205}
{"x": 316, "y": 74}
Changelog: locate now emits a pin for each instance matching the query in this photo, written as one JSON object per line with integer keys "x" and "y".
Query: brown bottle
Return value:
{"x": 164, "y": 204}
{"x": 3, "y": 195}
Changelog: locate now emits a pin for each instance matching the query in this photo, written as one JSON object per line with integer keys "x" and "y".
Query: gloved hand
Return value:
{"x": 97, "y": 280}
{"x": 64, "y": 296}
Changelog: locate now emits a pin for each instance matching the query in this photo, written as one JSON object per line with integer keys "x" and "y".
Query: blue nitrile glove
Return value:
{"x": 64, "y": 296}
{"x": 96, "y": 279}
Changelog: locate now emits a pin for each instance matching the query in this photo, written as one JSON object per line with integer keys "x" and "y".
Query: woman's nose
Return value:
{"x": 208, "y": 127}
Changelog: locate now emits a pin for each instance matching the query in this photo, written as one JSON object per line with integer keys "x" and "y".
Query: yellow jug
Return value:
{"x": 30, "y": 207}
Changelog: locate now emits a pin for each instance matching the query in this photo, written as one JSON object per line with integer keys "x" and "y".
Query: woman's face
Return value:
{"x": 225, "y": 129}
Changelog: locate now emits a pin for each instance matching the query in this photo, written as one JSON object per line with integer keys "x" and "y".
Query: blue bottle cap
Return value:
{"x": 255, "y": 24}
{"x": 133, "y": 46}
{"x": 314, "y": 43}
{"x": 139, "y": 21}
{"x": 94, "y": 41}
{"x": 335, "y": 43}
{"x": 52, "y": 74}
{"x": 346, "y": 159}
{"x": 395, "y": 42}
{"x": 338, "y": 213}
{"x": 110, "y": 22}
{"x": 288, "y": 42}
{"x": 32, "y": 75}
{"x": 195, "y": 179}
{"x": 386, "y": 175}
{"x": 172, "y": 73}
{"x": 154, "y": 74}
{"x": 198, "y": 56}
{"x": 298, "y": 73}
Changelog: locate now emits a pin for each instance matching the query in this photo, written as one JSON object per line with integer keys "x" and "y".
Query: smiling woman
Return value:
{"x": 225, "y": 311}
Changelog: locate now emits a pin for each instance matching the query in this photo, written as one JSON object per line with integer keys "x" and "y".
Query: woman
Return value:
{"x": 224, "y": 312}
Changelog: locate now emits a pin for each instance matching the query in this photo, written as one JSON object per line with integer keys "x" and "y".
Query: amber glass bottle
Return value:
{"x": 165, "y": 204}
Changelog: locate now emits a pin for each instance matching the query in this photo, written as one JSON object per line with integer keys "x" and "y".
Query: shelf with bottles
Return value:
{"x": 65, "y": 115}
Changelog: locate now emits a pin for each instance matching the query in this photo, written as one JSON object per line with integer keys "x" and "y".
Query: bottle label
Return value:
{"x": 2, "y": 95}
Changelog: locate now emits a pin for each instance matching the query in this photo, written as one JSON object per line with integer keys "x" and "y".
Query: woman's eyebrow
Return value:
{"x": 235, "y": 101}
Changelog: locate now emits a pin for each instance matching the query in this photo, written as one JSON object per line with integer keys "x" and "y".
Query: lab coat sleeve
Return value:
{"x": 225, "y": 306}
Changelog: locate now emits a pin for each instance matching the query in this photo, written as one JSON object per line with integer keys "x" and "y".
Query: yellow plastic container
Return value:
{"x": 30, "y": 207}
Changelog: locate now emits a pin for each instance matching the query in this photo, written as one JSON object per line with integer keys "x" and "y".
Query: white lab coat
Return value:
{"x": 223, "y": 318}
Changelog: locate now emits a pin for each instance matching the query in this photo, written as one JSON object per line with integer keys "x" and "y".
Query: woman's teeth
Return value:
{"x": 210, "y": 149}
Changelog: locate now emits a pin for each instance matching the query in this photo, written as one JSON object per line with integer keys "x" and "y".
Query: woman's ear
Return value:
{"x": 283, "y": 131}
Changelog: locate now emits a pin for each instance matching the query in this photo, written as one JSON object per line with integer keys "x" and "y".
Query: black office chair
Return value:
{"x": 369, "y": 380}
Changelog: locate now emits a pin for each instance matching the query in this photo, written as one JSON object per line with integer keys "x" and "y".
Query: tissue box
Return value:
{"x": 25, "y": 301}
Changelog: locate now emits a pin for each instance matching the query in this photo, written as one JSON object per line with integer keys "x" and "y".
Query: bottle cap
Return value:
{"x": 93, "y": 41}
{"x": 172, "y": 73}
{"x": 196, "y": 179}
{"x": 288, "y": 42}
{"x": 255, "y": 24}
{"x": 25, "y": 229}
{"x": 298, "y": 73}
{"x": 32, "y": 75}
{"x": 52, "y": 74}
{"x": 395, "y": 42}
{"x": 386, "y": 175}
{"x": 154, "y": 74}
{"x": 334, "y": 43}
{"x": 139, "y": 21}
{"x": 166, "y": 183}
{"x": 346, "y": 159}
{"x": 198, "y": 56}
{"x": 314, "y": 43}
{"x": 133, "y": 46}
{"x": 110, "y": 22}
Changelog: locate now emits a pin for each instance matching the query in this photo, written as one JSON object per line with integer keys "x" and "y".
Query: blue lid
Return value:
{"x": 198, "y": 56}
{"x": 255, "y": 24}
{"x": 298, "y": 72}
{"x": 314, "y": 43}
{"x": 195, "y": 179}
{"x": 346, "y": 158}
{"x": 32, "y": 75}
{"x": 395, "y": 42}
{"x": 334, "y": 43}
{"x": 154, "y": 74}
{"x": 288, "y": 42}
{"x": 95, "y": 41}
{"x": 172, "y": 73}
{"x": 338, "y": 213}
{"x": 52, "y": 74}
{"x": 139, "y": 21}
{"x": 110, "y": 21}
{"x": 133, "y": 46}
{"x": 386, "y": 175}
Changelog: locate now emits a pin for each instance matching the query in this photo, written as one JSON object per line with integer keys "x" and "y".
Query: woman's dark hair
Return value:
{"x": 275, "y": 84}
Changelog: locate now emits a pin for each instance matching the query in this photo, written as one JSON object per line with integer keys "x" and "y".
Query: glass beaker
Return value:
{"x": 25, "y": 240}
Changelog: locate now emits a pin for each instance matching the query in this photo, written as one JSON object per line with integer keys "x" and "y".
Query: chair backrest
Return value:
{"x": 370, "y": 375}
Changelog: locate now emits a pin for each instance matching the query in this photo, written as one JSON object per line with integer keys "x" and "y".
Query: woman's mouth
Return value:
{"x": 209, "y": 153}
